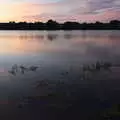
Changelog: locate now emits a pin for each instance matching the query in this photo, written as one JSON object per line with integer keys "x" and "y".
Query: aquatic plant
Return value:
{"x": 22, "y": 69}
{"x": 33, "y": 68}
{"x": 12, "y": 72}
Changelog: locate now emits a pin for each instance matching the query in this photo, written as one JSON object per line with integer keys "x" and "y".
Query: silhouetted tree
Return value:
{"x": 52, "y": 25}
{"x": 115, "y": 22}
{"x": 12, "y": 22}
{"x": 71, "y": 25}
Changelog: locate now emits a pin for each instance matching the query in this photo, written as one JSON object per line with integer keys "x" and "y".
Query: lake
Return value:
{"x": 56, "y": 52}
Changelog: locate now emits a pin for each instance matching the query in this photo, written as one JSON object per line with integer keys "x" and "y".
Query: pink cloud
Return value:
{"x": 65, "y": 10}
{"x": 104, "y": 16}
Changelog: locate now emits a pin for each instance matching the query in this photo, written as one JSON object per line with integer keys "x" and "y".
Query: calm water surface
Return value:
{"x": 54, "y": 52}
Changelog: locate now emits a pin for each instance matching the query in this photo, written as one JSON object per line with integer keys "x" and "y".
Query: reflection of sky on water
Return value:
{"x": 54, "y": 51}
{"x": 76, "y": 46}
{"x": 28, "y": 41}
{"x": 24, "y": 47}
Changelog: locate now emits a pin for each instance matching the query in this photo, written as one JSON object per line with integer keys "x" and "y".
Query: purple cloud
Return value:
{"x": 85, "y": 10}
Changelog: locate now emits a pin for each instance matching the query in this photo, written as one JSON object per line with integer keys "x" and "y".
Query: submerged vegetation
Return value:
{"x": 85, "y": 68}
{"x": 62, "y": 100}
{"x": 53, "y": 25}
{"x": 22, "y": 69}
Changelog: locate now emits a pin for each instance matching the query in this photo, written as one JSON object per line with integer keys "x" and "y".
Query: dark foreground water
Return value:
{"x": 56, "y": 90}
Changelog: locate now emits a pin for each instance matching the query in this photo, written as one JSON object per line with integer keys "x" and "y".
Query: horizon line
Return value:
{"x": 59, "y": 22}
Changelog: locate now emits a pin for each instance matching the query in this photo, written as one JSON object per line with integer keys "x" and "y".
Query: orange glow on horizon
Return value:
{"x": 17, "y": 12}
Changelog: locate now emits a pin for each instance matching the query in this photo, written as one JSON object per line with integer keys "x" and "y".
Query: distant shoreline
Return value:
{"x": 53, "y": 25}
{"x": 58, "y": 30}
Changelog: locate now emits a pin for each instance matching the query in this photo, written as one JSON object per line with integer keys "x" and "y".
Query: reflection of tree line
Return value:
{"x": 54, "y": 36}
{"x": 50, "y": 37}
{"x": 53, "y": 25}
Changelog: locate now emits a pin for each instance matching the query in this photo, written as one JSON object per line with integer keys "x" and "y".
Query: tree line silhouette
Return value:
{"x": 53, "y": 25}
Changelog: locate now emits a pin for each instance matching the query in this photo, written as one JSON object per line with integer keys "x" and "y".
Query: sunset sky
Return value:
{"x": 59, "y": 10}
